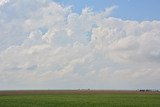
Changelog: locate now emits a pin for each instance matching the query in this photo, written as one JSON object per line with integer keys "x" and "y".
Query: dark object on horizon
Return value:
{"x": 148, "y": 90}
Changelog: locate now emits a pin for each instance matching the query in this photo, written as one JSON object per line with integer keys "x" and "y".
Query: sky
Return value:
{"x": 127, "y": 9}
{"x": 75, "y": 44}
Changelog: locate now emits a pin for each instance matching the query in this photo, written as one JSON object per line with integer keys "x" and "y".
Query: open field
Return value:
{"x": 79, "y": 98}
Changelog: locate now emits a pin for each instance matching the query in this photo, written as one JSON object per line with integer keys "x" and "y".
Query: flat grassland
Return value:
{"x": 79, "y": 98}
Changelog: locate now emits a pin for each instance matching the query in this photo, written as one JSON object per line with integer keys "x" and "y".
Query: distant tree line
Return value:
{"x": 148, "y": 90}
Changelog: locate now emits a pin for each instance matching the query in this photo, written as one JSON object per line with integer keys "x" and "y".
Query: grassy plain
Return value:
{"x": 81, "y": 100}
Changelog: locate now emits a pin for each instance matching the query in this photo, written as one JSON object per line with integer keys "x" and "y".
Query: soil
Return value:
{"x": 22, "y": 92}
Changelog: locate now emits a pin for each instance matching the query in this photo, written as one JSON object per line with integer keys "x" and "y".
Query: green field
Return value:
{"x": 81, "y": 100}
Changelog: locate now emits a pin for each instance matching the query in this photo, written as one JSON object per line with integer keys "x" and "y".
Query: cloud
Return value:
{"x": 46, "y": 45}
{"x": 2, "y": 2}
{"x": 109, "y": 10}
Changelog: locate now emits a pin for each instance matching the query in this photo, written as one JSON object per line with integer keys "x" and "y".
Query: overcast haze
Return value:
{"x": 47, "y": 44}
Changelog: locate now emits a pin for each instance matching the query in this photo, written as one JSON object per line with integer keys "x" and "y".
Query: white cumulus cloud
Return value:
{"x": 2, "y": 2}
{"x": 46, "y": 45}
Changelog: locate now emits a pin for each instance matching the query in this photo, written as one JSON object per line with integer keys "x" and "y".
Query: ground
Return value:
{"x": 79, "y": 98}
